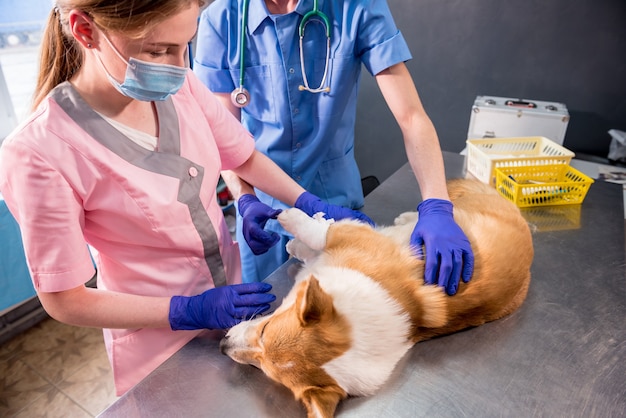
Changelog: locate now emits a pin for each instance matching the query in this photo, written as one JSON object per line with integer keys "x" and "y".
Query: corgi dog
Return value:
{"x": 359, "y": 302}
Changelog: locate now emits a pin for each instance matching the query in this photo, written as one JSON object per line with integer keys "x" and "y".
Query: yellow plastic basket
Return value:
{"x": 542, "y": 185}
{"x": 484, "y": 155}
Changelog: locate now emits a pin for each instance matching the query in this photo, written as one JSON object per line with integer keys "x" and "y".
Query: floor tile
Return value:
{"x": 20, "y": 386}
{"x": 55, "y": 370}
{"x": 55, "y": 350}
{"x": 92, "y": 385}
{"x": 53, "y": 404}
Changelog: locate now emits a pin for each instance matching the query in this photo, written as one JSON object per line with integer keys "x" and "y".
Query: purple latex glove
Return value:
{"x": 221, "y": 307}
{"x": 254, "y": 217}
{"x": 311, "y": 204}
{"x": 449, "y": 254}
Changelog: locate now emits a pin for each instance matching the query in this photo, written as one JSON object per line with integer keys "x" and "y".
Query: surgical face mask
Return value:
{"x": 146, "y": 81}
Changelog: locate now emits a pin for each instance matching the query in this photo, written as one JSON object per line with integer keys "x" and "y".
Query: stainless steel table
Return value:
{"x": 562, "y": 354}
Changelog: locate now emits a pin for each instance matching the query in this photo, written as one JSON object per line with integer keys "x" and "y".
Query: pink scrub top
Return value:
{"x": 72, "y": 179}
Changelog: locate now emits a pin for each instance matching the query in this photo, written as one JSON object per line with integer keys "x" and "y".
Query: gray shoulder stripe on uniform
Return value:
{"x": 166, "y": 161}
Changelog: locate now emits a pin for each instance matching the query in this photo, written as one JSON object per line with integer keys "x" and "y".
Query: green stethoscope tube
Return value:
{"x": 240, "y": 96}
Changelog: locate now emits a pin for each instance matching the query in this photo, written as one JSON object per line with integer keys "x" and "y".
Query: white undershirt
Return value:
{"x": 141, "y": 138}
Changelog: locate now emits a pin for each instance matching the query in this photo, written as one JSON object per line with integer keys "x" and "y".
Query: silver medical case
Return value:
{"x": 502, "y": 117}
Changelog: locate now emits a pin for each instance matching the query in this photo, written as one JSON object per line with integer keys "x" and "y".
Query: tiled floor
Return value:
{"x": 55, "y": 370}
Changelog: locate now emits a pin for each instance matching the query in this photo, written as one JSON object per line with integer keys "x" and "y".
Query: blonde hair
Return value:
{"x": 61, "y": 56}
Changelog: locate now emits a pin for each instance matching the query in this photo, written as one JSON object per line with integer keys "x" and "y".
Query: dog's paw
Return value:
{"x": 299, "y": 250}
{"x": 406, "y": 218}
{"x": 319, "y": 217}
{"x": 292, "y": 220}
{"x": 311, "y": 231}
{"x": 292, "y": 248}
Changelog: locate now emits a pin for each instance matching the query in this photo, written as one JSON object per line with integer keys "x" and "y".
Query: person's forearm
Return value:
{"x": 420, "y": 137}
{"x": 83, "y": 306}
{"x": 426, "y": 159}
{"x": 265, "y": 175}
{"x": 236, "y": 185}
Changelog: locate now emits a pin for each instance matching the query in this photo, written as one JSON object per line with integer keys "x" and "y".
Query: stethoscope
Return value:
{"x": 241, "y": 97}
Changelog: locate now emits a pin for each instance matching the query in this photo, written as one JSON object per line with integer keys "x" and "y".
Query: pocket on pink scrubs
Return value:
{"x": 134, "y": 356}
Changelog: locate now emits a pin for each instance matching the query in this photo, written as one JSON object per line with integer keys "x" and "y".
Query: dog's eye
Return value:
{"x": 260, "y": 339}
{"x": 263, "y": 329}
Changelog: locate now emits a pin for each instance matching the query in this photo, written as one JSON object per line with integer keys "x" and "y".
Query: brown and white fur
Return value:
{"x": 360, "y": 303}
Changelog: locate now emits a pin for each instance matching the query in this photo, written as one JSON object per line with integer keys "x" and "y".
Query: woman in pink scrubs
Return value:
{"x": 123, "y": 152}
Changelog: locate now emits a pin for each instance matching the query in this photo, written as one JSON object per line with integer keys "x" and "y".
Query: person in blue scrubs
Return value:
{"x": 310, "y": 135}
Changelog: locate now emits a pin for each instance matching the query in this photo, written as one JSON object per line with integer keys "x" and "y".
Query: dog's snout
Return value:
{"x": 224, "y": 344}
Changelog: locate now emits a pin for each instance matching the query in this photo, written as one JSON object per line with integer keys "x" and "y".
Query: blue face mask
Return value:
{"x": 146, "y": 81}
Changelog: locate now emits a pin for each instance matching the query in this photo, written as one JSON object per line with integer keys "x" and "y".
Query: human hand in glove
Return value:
{"x": 311, "y": 204}
{"x": 254, "y": 217}
{"x": 221, "y": 307}
{"x": 449, "y": 254}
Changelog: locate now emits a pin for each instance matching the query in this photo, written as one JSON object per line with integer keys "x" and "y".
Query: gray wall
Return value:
{"x": 569, "y": 51}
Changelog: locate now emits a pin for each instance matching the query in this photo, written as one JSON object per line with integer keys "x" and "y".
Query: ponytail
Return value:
{"x": 60, "y": 58}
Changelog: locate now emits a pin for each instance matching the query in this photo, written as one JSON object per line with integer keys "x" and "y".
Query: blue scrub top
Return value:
{"x": 309, "y": 135}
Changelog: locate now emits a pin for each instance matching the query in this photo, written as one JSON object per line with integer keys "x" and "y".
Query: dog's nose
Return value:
{"x": 224, "y": 344}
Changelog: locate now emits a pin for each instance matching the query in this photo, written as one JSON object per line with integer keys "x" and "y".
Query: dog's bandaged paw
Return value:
{"x": 319, "y": 216}
{"x": 310, "y": 231}
{"x": 297, "y": 249}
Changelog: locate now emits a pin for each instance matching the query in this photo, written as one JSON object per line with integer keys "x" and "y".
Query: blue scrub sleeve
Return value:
{"x": 211, "y": 58}
{"x": 380, "y": 44}
{"x": 387, "y": 54}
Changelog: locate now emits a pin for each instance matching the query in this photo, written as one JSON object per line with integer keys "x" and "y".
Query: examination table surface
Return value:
{"x": 563, "y": 353}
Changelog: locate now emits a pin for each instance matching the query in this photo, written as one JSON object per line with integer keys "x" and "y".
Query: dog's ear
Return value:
{"x": 321, "y": 402}
{"x": 312, "y": 302}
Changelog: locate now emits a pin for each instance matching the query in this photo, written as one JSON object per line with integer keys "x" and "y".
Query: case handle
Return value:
{"x": 520, "y": 103}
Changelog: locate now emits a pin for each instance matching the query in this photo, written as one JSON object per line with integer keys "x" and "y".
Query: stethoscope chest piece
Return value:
{"x": 240, "y": 97}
